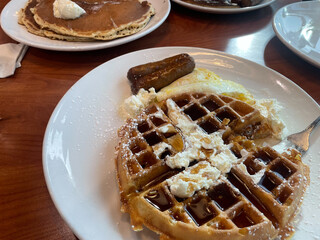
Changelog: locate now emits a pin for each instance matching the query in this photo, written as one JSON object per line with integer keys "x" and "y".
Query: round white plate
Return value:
{"x": 223, "y": 10}
{"x": 9, "y": 24}
{"x": 78, "y": 147}
{"x": 297, "y": 25}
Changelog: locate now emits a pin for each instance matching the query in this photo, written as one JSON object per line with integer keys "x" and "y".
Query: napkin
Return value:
{"x": 11, "y": 55}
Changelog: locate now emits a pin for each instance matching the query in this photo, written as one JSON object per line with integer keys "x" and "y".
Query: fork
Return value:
{"x": 300, "y": 140}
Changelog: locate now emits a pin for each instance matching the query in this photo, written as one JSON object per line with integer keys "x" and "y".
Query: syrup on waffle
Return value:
{"x": 255, "y": 196}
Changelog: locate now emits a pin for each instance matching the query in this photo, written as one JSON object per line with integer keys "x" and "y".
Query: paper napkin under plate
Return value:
{"x": 11, "y": 55}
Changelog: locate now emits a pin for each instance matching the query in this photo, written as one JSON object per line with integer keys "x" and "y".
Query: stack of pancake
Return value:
{"x": 103, "y": 20}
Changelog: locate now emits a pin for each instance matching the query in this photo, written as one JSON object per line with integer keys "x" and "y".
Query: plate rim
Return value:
{"x": 12, "y": 10}
{"x": 84, "y": 78}
{"x": 222, "y": 10}
{"x": 284, "y": 41}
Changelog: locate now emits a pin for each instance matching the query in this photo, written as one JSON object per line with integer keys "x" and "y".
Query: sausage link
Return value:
{"x": 161, "y": 73}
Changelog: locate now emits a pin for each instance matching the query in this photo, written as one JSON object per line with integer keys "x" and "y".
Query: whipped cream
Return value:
{"x": 133, "y": 105}
{"x": 197, "y": 142}
{"x": 270, "y": 109}
{"x": 66, "y": 9}
{"x": 158, "y": 149}
{"x": 223, "y": 160}
{"x": 186, "y": 183}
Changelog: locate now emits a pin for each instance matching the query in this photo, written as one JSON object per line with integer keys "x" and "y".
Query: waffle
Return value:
{"x": 255, "y": 196}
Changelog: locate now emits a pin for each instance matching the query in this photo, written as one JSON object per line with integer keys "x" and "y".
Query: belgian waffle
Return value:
{"x": 256, "y": 197}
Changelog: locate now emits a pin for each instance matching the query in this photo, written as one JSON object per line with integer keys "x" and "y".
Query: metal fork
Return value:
{"x": 300, "y": 140}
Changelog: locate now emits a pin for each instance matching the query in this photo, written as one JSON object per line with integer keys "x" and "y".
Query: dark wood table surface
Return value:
{"x": 28, "y": 98}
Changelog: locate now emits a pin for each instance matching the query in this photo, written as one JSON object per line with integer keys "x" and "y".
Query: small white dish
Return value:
{"x": 223, "y": 10}
{"x": 9, "y": 24}
{"x": 80, "y": 140}
{"x": 297, "y": 25}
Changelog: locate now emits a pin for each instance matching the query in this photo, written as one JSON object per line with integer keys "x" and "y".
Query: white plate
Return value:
{"x": 78, "y": 147}
{"x": 9, "y": 24}
{"x": 221, "y": 10}
{"x": 297, "y": 25}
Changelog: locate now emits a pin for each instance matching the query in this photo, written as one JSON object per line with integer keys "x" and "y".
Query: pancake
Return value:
{"x": 26, "y": 18}
{"x": 103, "y": 20}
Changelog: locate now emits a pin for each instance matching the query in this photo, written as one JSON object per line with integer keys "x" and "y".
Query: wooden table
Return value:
{"x": 28, "y": 98}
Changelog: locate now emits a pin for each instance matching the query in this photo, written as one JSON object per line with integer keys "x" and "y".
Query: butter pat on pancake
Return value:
{"x": 66, "y": 9}
{"x": 103, "y": 20}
